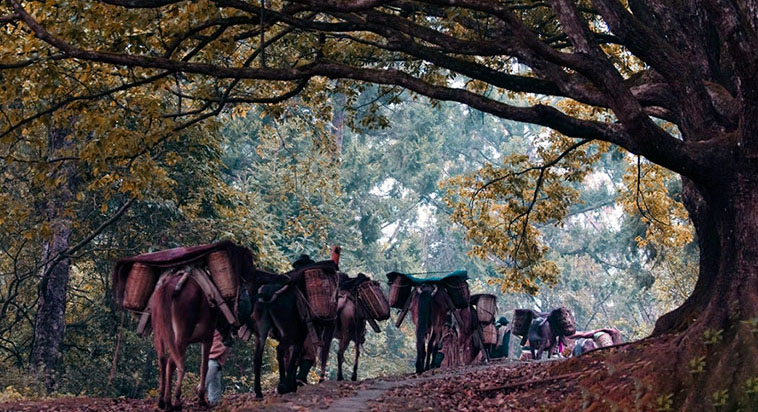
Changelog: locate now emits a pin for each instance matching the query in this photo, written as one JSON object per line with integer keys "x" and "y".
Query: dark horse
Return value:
{"x": 181, "y": 315}
{"x": 277, "y": 310}
{"x": 429, "y": 309}
{"x": 275, "y": 313}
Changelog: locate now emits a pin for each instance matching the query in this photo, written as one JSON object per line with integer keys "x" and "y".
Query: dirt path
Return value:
{"x": 409, "y": 392}
{"x": 370, "y": 397}
{"x": 360, "y": 401}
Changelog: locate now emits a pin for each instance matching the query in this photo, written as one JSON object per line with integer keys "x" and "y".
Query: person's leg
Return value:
{"x": 213, "y": 382}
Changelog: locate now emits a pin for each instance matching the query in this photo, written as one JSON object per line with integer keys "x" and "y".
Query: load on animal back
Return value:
{"x": 544, "y": 331}
{"x": 432, "y": 300}
{"x": 187, "y": 293}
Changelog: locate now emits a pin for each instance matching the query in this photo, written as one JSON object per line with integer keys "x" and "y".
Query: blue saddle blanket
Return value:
{"x": 462, "y": 274}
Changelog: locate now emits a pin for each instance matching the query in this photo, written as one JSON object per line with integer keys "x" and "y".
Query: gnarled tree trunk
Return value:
{"x": 50, "y": 320}
{"x": 717, "y": 326}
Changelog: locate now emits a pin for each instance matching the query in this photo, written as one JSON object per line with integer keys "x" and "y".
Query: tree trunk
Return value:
{"x": 718, "y": 324}
{"x": 49, "y": 322}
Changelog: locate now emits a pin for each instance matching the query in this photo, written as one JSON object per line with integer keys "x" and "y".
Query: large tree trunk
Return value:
{"x": 717, "y": 326}
{"x": 49, "y": 322}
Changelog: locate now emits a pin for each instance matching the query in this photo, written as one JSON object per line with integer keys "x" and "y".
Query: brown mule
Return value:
{"x": 351, "y": 326}
{"x": 181, "y": 315}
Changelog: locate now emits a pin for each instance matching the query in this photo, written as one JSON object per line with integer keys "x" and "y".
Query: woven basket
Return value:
{"x": 400, "y": 290}
{"x": 370, "y": 293}
{"x": 321, "y": 292}
{"x": 603, "y": 339}
{"x": 522, "y": 318}
{"x": 564, "y": 321}
{"x": 489, "y": 333}
{"x": 486, "y": 308}
{"x": 457, "y": 288}
{"x": 222, "y": 273}
{"x": 139, "y": 286}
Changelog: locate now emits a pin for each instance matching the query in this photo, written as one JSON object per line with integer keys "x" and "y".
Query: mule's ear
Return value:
{"x": 336, "y": 252}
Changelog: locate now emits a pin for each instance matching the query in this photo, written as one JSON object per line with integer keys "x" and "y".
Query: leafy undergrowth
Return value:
{"x": 604, "y": 380}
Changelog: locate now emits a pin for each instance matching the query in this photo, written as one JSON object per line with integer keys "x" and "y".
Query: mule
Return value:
{"x": 429, "y": 309}
{"x": 274, "y": 314}
{"x": 181, "y": 315}
{"x": 350, "y": 327}
{"x": 469, "y": 337}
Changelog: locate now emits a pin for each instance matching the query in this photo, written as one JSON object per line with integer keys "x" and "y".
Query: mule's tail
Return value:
{"x": 424, "y": 314}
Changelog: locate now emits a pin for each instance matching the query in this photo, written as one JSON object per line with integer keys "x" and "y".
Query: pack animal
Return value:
{"x": 351, "y": 327}
{"x": 275, "y": 298}
{"x": 428, "y": 310}
{"x": 273, "y": 314}
{"x": 467, "y": 348}
{"x": 541, "y": 338}
{"x": 181, "y": 315}
{"x": 594, "y": 339}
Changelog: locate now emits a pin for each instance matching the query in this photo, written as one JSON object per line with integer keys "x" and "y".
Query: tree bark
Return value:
{"x": 716, "y": 326}
{"x": 49, "y": 322}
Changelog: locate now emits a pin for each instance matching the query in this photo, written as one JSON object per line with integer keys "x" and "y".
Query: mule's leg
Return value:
{"x": 260, "y": 341}
{"x": 201, "y": 398}
{"x": 290, "y": 382}
{"x": 341, "y": 356}
{"x": 324, "y": 355}
{"x": 162, "y": 364}
{"x": 167, "y": 384}
{"x": 284, "y": 358}
{"x": 178, "y": 387}
{"x": 354, "y": 377}
{"x": 420, "y": 354}
{"x": 431, "y": 346}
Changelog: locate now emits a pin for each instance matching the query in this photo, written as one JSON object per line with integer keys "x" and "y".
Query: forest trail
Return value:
{"x": 502, "y": 384}
{"x": 379, "y": 394}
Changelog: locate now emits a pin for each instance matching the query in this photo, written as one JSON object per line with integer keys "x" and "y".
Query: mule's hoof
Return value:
{"x": 258, "y": 395}
{"x": 354, "y": 378}
{"x": 281, "y": 389}
{"x": 340, "y": 378}
{"x": 161, "y": 404}
{"x": 202, "y": 401}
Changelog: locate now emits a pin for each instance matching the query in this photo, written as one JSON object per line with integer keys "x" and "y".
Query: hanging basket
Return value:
{"x": 139, "y": 286}
{"x": 522, "y": 318}
{"x": 321, "y": 292}
{"x": 222, "y": 273}
{"x": 400, "y": 291}
{"x": 457, "y": 288}
{"x": 489, "y": 333}
{"x": 373, "y": 299}
{"x": 486, "y": 308}
{"x": 603, "y": 339}
{"x": 563, "y": 320}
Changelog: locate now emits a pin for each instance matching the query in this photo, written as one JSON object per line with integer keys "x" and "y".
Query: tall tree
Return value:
{"x": 691, "y": 64}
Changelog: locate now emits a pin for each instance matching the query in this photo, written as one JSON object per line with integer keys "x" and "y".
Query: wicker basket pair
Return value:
{"x": 142, "y": 280}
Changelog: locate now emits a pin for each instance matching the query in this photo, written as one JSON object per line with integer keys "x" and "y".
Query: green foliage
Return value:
{"x": 665, "y": 403}
{"x": 697, "y": 365}
{"x": 720, "y": 398}
{"x": 713, "y": 336}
